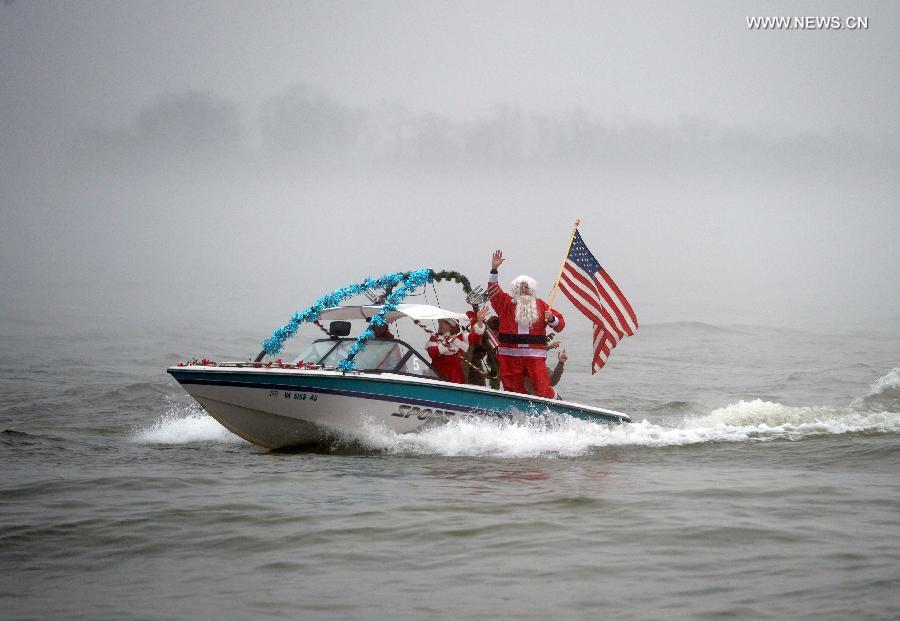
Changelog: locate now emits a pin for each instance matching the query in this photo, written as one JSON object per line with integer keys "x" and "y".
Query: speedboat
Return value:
{"x": 278, "y": 404}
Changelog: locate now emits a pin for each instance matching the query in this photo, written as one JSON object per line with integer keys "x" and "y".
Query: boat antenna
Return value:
{"x": 436, "y": 297}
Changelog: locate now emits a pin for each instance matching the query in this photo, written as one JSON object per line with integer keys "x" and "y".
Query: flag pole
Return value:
{"x": 563, "y": 266}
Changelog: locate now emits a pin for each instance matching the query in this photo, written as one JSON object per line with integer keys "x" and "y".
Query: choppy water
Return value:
{"x": 760, "y": 480}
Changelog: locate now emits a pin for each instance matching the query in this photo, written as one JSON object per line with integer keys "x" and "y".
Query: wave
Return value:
{"x": 884, "y": 393}
{"x": 680, "y": 407}
{"x": 12, "y": 437}
{"x": 184, "y": 424}
{"x": 695, "y": 326}
{"x": 888, "y": 384}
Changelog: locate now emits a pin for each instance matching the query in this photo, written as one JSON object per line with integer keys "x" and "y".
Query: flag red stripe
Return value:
{"x": 621, "y": 326}
{"x": 578, "y": 299}
{"x": 618, "y": 292}
{"x": 606, "y": 346}
{"x": 595, "y": 302}
{"x": 610, "y": 324}
{"x": 601, "y": 349}
{"x": 623, "y": 323}
{"x": 574, "y": 272}
{"x": 610, "y": 336}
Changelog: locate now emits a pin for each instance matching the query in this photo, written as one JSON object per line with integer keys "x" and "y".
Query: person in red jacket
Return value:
{"x": 524, "y": 320}
{"x": 448, "y": 347}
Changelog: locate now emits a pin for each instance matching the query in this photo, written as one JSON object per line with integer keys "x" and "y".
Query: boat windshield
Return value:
{"x": 317, "y": 350}
{"x": 379, "y": 355}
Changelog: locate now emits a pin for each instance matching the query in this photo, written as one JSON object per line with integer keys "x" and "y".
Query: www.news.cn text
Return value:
{"x": 809, "y": 22}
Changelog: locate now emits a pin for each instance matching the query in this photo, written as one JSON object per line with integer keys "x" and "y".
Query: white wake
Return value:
{"x": 745, "y": 421}
{"x": 563, "y": 436}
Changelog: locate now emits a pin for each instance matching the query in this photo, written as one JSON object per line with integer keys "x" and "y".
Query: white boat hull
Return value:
{"x": 277, "y": 408}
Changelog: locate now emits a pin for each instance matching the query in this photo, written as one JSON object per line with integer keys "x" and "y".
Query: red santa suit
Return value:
{"x": 447, "y": 357}
{"x": 523, "y": 348}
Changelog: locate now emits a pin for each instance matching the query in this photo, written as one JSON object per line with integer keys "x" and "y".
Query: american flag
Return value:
{"x": 593, "y": 292}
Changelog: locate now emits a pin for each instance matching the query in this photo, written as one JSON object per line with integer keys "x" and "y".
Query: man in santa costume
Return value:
{"x": 524, "y": 320}
{"x": 448, "y": 347}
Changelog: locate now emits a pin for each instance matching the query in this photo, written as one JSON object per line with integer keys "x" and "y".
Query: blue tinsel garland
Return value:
{"x": 412, "y": 281}
{"x": 407, "y": 283}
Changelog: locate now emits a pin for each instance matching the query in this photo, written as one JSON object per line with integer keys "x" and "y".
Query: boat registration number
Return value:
{"x": 297, "y": 396}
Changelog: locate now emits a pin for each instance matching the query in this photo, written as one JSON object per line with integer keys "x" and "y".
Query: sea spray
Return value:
{"x": 883, "y": 394}
{"x": 888, "y": 382}
{"x": 753, "y": 421}
{"x": 183, "y": 424}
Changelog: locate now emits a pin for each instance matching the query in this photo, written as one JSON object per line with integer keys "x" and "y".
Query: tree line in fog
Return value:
{"x": 303, "y": 123}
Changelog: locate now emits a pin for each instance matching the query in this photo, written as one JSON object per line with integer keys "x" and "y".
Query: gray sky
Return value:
{"x": 723, "y": 174}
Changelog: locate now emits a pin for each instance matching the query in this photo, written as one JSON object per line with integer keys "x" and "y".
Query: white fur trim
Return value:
{"x": 522, "y": 353}
{"x": 446, "y": 351}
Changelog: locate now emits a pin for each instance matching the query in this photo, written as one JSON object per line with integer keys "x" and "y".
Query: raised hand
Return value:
{"x": 496, "y": 259}
{"x": 481, "y": 314}
{"x": 563, "y": 356}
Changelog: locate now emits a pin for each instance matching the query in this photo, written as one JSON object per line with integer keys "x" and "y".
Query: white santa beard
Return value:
{"x": 526, "y": 310}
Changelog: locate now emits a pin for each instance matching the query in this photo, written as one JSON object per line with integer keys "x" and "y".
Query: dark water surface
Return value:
{"x": 760, "y": 480}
